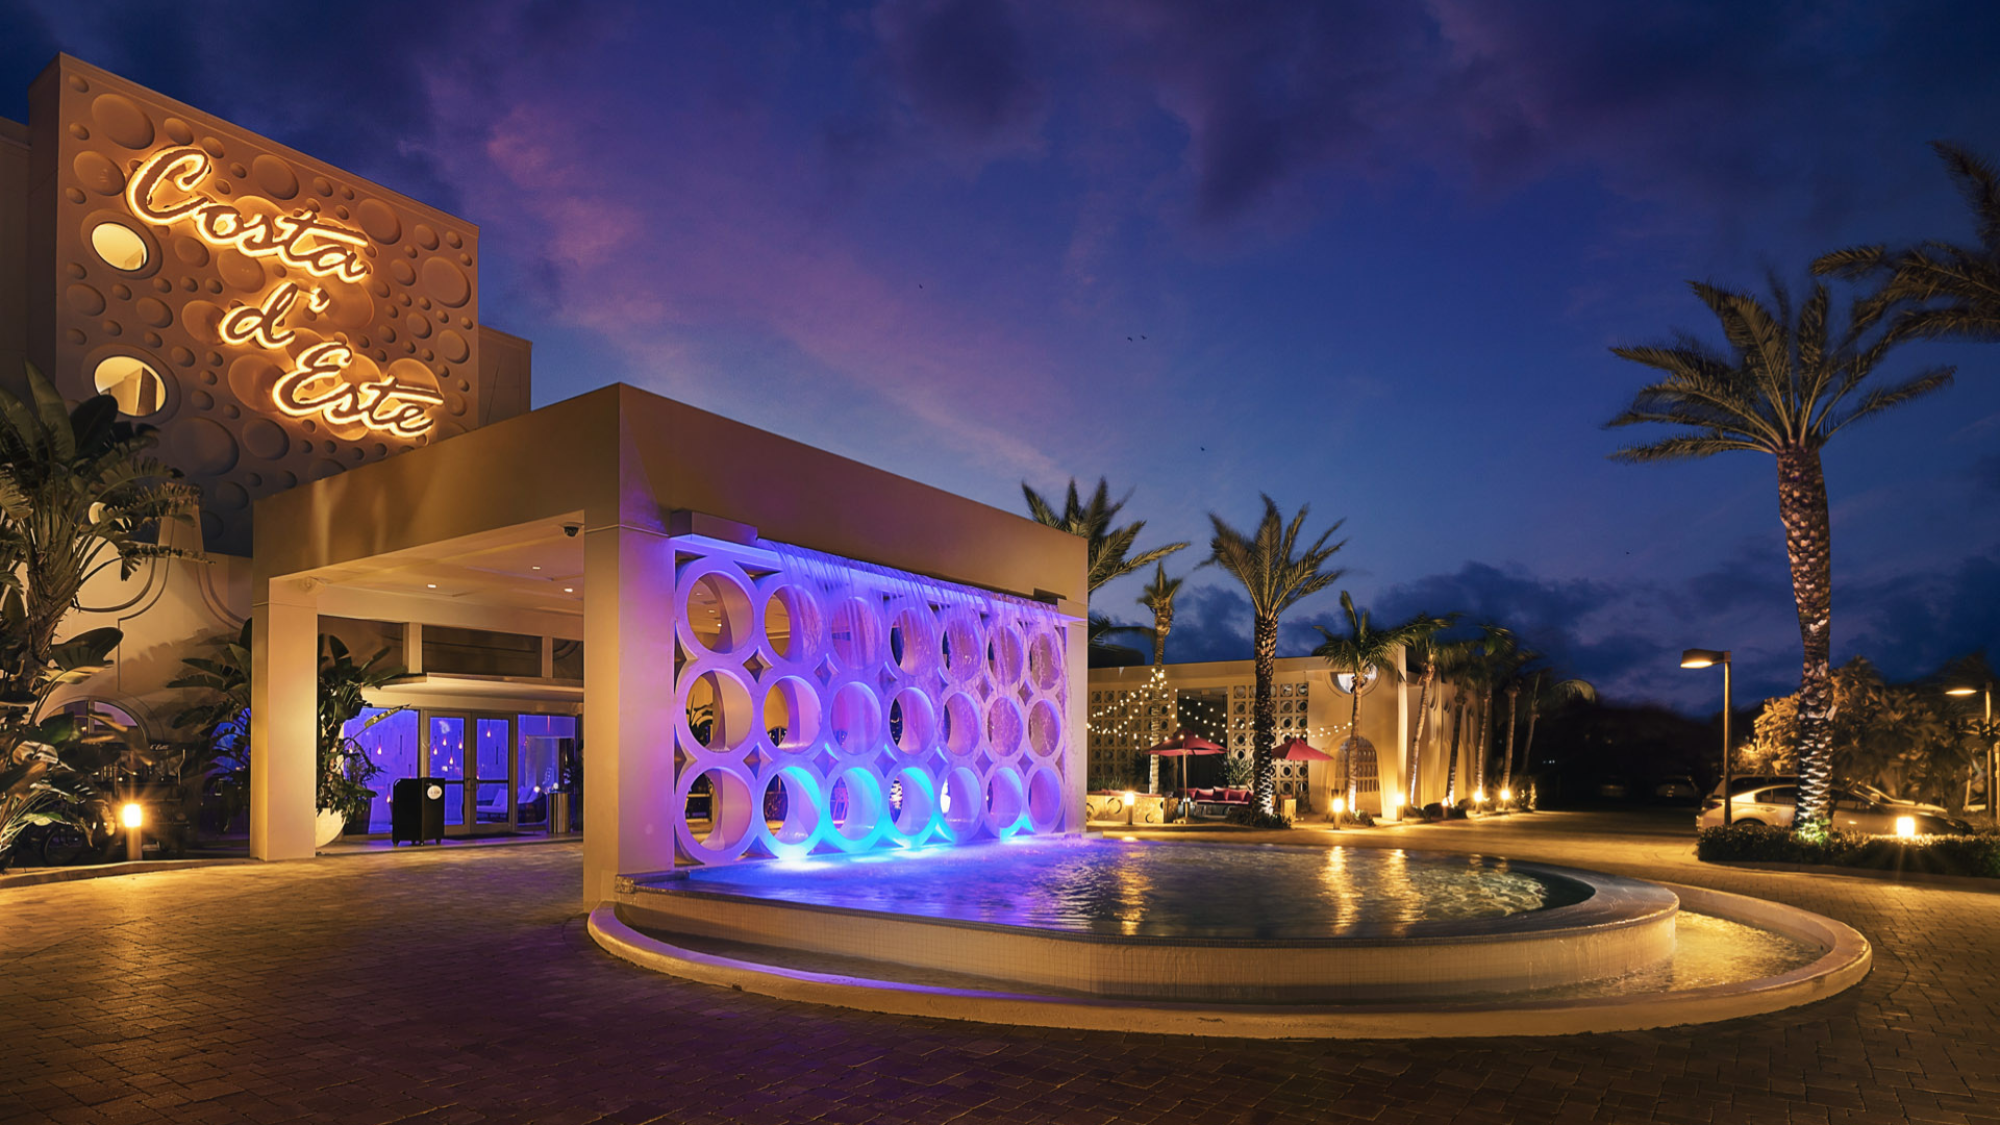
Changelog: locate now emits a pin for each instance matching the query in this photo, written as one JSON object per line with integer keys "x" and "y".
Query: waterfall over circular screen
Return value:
{"x": 831, "y": 706}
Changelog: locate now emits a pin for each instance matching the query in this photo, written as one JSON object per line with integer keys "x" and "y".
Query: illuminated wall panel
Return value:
{"x": 830, "y": 706}
{"x": 280, "y": 320}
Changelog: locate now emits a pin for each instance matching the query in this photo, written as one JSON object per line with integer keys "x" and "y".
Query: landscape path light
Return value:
{"x": 1992, "y": 747}
{"x": 1709, "y": 658}
{"x": 133, "y": 815}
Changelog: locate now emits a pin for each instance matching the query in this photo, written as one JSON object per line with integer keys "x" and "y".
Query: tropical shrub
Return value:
{"x": 78, "y": 495}
{"x": 1971, "y": 854}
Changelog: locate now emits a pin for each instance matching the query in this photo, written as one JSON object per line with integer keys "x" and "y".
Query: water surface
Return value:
{"x": 1161, "y": 890}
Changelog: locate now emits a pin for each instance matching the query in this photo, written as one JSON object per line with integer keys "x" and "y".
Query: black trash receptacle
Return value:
{"x": 416, "y": 811}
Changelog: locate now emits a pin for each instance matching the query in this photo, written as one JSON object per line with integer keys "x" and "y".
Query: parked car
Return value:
{"x": 1743, "y": 783}
{"x": 1676, "y": 788}
{"x": 1853, "y": 811}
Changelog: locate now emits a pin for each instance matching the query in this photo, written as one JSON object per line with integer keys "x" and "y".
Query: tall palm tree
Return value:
{"x": 1357, "y": 652}
{"x": 1432, "y": 655}
{"x": 1935, "y": 288}
{"x": 1110, "y": 547}
{"x": 1275, "y": 573}
{"x": 1458, "y": 698}
{"x": 1511, "y": 671}
{"x": 1485, "y": 669}
{"x": 1159, "y": 596}
{"x": 1545, "y": 691}
{"x": 1784, "y": 385}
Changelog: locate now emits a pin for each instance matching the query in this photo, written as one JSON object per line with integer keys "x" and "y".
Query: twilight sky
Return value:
{"x": 1365, "y": 256}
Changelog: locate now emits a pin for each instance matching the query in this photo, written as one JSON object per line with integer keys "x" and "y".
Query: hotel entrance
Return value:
{"x": 503, "y": 772}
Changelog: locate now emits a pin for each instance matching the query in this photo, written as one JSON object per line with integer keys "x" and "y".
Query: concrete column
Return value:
{"x": 1077, "y": 662}
{"x": 628, "y": 705}
{"x": 284, "y": 711}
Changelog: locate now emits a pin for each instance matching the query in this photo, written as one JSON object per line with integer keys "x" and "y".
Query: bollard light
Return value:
{"x": 132, "y": 815}
{"x": 1906, "y": 826}
{"x": 1479, "y": 796}
{"x": 1506, "y": 794}
{"x": 1340, "y": 806}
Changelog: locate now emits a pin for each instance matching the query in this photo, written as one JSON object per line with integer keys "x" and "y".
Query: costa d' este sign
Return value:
{"x": 165, "y": 191}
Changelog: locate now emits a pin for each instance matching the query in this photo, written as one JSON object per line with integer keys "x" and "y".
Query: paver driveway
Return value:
{"x": 445, "y": 987}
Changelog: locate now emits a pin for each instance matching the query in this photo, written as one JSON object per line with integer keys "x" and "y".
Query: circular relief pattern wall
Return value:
{"x": 826, "y": 706}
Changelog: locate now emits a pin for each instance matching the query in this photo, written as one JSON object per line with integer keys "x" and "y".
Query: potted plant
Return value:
{"x": 343, "y": 769}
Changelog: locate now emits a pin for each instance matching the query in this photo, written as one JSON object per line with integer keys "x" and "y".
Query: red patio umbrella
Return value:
{"x": 1184, "y": 744}
{"x": 1296, "y": 750}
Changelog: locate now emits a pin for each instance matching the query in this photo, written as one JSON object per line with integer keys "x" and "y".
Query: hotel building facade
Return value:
{"x": 1135, "y": 707}
{"x": 875, "y": 663}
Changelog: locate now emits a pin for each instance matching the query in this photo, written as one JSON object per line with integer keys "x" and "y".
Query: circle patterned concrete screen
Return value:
{"x": 825, "y": 706}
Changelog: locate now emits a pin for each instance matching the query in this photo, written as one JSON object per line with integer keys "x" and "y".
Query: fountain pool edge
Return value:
{"x": 1845, "y": 963}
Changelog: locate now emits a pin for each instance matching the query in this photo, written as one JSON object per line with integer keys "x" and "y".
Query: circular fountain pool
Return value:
{"x": 1292, "y": 940}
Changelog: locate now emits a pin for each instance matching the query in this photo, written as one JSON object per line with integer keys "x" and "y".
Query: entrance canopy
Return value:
{"x": 588, "y": 519}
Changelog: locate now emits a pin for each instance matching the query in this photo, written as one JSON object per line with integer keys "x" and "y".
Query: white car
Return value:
{"x": 1854, "y": 810}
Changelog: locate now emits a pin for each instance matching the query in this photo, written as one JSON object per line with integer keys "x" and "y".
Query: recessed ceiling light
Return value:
{"x": 569, "y": 589}
{"x": 534, "y": 568}
{"x": 432, "y": 585}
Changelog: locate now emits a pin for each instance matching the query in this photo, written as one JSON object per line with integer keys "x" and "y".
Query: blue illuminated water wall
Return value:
{"x": 829, "y": 706}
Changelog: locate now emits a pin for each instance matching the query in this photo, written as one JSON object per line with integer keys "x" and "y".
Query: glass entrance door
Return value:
{"x": 444, "y": 760}
{"x": 502, "y": 772}
{"x": 492, "y": 782}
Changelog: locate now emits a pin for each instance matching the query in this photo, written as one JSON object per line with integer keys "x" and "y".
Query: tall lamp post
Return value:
{"x": 1992, "y": 806}
{"x": 1709, "y": 658}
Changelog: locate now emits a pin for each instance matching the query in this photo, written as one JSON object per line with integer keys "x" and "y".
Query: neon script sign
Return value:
{"x": 165, "y": 191}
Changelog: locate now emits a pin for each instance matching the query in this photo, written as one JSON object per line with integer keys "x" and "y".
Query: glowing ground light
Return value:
{"x": 132, "y": 814}
{"x": 1906, "y": 826}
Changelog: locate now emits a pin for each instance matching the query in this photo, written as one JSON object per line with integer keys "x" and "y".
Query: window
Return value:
{"x": 481, "y": 652}
{"x": 1782, "y": 795}
{"x": 131, "y": 381}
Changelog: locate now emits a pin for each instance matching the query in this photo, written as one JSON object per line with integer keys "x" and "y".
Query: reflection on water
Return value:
{"x": 1157, "y": 890}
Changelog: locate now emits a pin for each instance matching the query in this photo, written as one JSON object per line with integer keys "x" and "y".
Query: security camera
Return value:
{"x": 570, "y": 529}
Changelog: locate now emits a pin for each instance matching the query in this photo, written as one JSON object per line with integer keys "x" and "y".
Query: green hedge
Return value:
{"x": 1933, "y": 855}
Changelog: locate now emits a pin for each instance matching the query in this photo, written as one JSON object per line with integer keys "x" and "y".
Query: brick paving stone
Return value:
{"x": 459, "y": 988}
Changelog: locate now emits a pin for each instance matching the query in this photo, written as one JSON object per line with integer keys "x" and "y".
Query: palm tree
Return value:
{"x": 1966, "y": 279}
{"x": 1276, "y": 574}
{"x": 1110, "y": 547}
{"x": 1362, "y": 649}
{"x": 1783, "y": 386}
{"x": 1159, "y": 596}
{"x": 1486, "y": 667}
{"x": 1433, "y": 654}
{"x": 1457, "y": 729}
{"x": 1546, "y": 692}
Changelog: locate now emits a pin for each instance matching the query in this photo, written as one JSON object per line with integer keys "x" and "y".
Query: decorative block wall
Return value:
{"x": 829, "y": 706}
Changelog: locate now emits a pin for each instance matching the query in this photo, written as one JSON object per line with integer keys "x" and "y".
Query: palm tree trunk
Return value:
{"x": 1451, "y": 767}
{"x": 1161, "y": 626}
{"x": 1528, "y": 743}
{"x": 1352, "y": 747}
{"x": 1481, "y": 715}
{"x": 1808, "y": 545}
{"x": 1264, "y": 714}
{"x": 1513, "y": 717}
{"x": 1416, "y": 752}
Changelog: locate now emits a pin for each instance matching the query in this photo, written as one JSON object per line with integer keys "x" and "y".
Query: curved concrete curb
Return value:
{"x": 1980, "y": 883}
{"x": 1845, "y": 963}
{"x": 44, "y": 876}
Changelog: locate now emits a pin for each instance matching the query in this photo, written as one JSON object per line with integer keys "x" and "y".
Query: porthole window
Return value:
{"x": 132, "y": 381}
{"x": 119, "y": 245}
